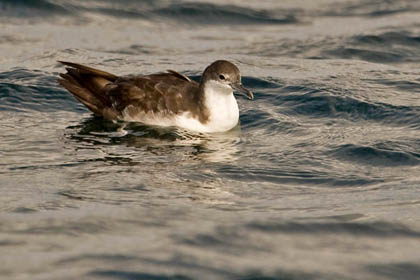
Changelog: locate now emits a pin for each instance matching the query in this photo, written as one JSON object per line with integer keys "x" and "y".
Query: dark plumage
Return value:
{"x": 108, "y": 95}
{"x": 167, "y": 99}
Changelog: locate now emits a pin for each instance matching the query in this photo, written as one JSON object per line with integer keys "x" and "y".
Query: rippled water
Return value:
{"x": 320, "y": 181}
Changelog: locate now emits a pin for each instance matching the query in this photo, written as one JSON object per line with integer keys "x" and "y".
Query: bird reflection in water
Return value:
{"x": 98, "y": 133}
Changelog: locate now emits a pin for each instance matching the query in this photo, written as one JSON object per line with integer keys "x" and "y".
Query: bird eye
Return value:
{"x": 221, "y": 77}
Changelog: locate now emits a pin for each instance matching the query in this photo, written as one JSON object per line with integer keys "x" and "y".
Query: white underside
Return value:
{"x": 219, "y": 100}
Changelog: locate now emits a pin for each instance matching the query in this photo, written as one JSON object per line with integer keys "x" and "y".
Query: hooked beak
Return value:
{"x": 240, "y": 87}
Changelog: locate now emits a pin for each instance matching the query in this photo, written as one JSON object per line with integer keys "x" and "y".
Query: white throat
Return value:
{"x": 222, "y": 106}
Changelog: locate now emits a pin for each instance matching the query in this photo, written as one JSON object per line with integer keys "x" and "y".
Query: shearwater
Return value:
{"x": 164, "y": 99}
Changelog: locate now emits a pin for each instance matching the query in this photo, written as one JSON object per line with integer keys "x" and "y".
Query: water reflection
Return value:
{"x": 157, "y": 141}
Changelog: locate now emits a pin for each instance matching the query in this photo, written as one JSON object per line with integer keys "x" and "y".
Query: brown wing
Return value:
{"x": 108, "y": 95}
{"x": 166, "y": 93}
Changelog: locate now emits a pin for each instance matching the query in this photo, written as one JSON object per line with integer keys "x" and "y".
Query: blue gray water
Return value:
{"x": 320, "y": 181}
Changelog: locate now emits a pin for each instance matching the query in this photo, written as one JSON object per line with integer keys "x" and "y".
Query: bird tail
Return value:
{"x": 87, "y": 85}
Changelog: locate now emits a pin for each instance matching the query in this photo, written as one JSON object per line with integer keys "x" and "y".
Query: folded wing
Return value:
{"x": 113, "y": 97}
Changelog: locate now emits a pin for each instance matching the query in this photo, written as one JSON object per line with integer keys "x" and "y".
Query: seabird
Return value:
{"x": 164, "y": 99}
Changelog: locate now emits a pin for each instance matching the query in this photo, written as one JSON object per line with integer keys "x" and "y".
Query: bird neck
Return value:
{"x": 221, "y": 106}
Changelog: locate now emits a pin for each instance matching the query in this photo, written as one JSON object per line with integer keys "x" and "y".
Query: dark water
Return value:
{"x": 321, "y": 180}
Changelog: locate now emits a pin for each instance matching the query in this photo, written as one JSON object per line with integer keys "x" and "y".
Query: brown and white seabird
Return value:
{"x": 165, "y": 99}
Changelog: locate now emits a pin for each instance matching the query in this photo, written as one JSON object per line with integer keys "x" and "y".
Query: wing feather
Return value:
{"x": 154, "y": 93}
{"x": 111, "y": 96}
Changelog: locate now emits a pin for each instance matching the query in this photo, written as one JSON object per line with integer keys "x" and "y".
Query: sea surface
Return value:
{"x": 321, "y": 180}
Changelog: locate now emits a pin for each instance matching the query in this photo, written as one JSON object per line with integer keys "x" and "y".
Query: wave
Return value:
{"x": 324, "y": 102}
{"x": 375, "y": 155}
{"x": 387, "y": 47}
{"x": 30, "y": 90}
{"x": 372, "y": 8}
{"x": 282, "y": 174}
{"x": 350, "y": 108}
{"x": 222, "y": 14}
{"x": 182, "y": 12}
{"x": 33, "y": 8}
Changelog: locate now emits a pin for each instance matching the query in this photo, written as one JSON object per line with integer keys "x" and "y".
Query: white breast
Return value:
{"x": 223, "y": 110}
{"x": 219, "y": 101}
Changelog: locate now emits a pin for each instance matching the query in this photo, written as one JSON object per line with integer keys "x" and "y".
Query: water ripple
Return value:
{"x": 377, "y": 156}
{"x": 22, "y": 90}
{"x": 183, "y": 12}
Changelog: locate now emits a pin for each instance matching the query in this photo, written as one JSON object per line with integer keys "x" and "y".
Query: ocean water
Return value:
{"x": 321, "y": 180}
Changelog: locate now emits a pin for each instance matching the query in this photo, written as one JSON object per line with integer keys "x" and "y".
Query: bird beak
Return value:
{"x": 240, "y": 87}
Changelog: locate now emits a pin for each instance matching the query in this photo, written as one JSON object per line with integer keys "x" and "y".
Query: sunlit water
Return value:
{"x": 320, "y": 181}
